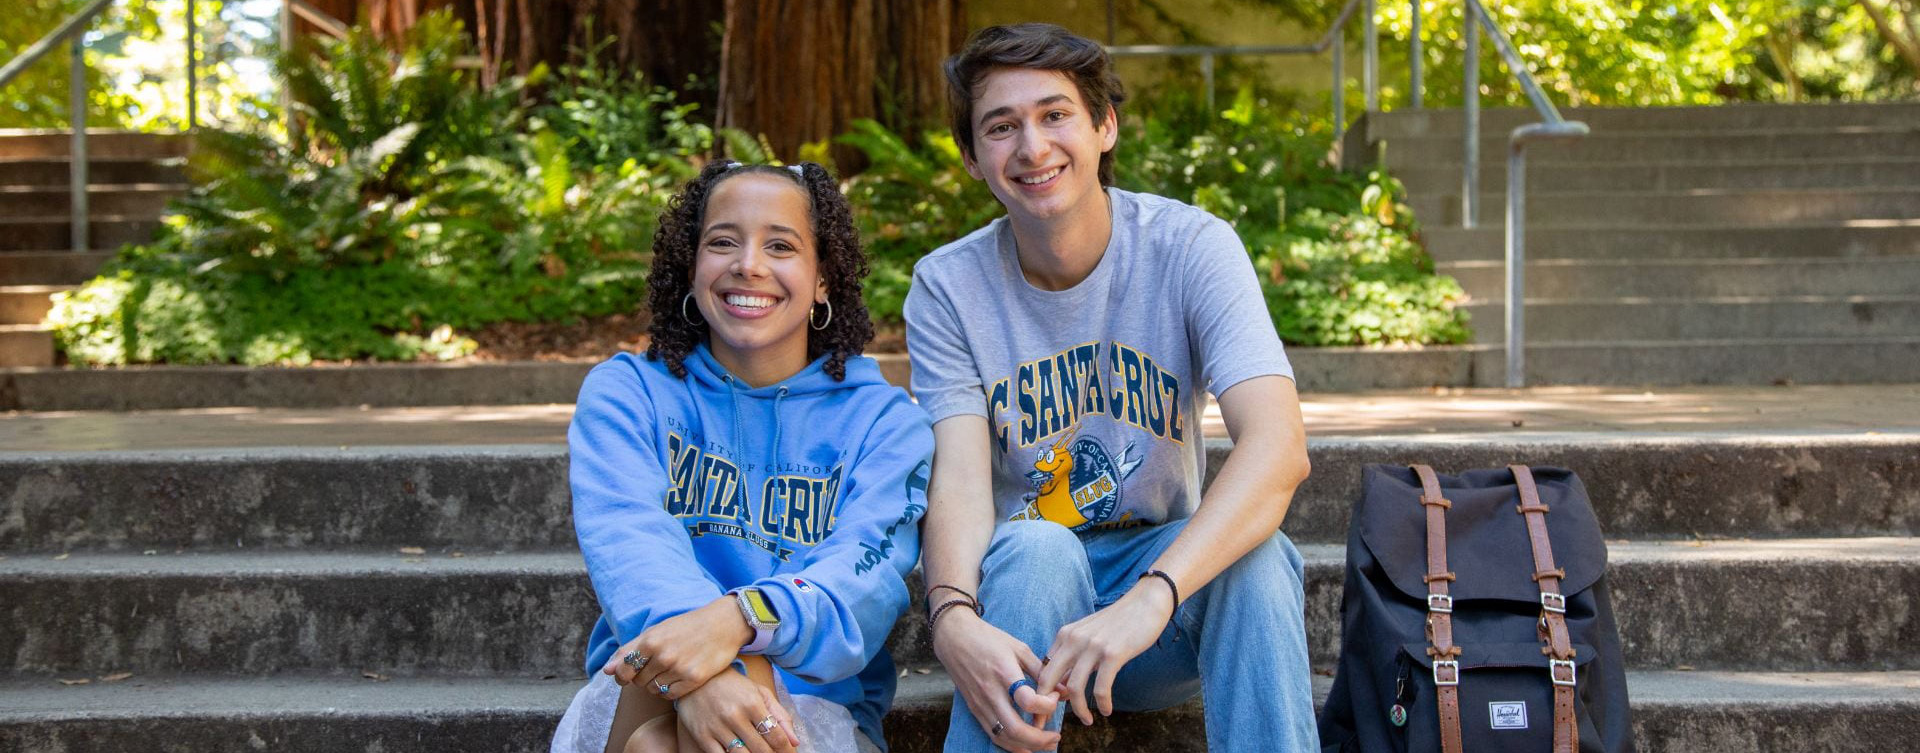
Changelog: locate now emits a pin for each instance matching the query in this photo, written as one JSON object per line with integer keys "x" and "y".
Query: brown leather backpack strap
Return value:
{"x": 1553, "y": 613}
{"x": 1446, "y": 656}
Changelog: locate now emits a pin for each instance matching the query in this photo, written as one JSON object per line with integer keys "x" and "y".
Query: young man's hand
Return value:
{"x": 984, "y": 661}
{"x": 683, "y": 652}
{"x": 1096, "y": 646}
{"x": 730, "y": 707}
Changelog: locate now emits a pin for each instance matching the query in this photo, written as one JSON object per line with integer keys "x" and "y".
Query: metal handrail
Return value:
{"x": 1330, "y": 39}
{"x": 1553, "y": 126}
{"x": 69, "y": 31}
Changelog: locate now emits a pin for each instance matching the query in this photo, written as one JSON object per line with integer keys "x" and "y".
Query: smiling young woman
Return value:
{"x": 727, "y": 537}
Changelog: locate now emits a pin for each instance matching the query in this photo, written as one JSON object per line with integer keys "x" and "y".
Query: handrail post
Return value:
{"x": 1415, "y": 58}
{"x": 1206, "y": 76}
{"x": 193, "y": 77}
{"x": 1516, "y": 255}
{"x": 1373, "y": 58}
{"x": 1470, "y": 108}
{"x": 77, "y": 154}
{"x": 1339, "y": 87}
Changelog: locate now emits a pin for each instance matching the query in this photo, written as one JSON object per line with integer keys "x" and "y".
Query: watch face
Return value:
{"x": 762, "y": 609}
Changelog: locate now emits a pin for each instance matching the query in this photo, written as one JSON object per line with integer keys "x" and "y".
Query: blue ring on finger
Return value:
{"x": 1015, "y": 688}
{"x": 736, "y": 743}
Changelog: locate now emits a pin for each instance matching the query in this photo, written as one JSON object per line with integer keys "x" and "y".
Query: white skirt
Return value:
{"x": 822, "y": 725}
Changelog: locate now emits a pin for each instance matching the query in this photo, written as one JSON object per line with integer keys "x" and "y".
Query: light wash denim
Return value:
{"x": 1242, "y": 638}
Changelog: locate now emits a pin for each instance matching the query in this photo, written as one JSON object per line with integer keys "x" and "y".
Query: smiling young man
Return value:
{"x": 1064, "y": 353}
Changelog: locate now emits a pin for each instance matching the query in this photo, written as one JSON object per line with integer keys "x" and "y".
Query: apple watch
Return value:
{"x": 760, "y": 615}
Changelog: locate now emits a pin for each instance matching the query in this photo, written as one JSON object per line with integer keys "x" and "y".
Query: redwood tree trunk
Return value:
{"x": 801, "y": 71}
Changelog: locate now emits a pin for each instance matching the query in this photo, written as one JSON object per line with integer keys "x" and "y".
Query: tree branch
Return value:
{"x": 1908, "y": 48}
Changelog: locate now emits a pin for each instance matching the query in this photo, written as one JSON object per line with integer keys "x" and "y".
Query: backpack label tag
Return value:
{"x": 1508, "y": 714}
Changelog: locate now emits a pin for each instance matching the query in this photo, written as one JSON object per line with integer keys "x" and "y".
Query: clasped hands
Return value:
{"x": 687, "y": 659}
{"x": 985, "y": 662}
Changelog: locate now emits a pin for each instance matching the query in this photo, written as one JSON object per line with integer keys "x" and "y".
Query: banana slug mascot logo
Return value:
{"x": 1076, "y": 483}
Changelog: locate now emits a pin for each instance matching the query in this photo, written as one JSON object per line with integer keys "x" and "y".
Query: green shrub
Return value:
{"x": 410, "y": 206}
{"x": 910, "y": 201}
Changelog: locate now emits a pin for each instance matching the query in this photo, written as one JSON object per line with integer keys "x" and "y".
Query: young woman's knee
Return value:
{"x": 658, "y": 735}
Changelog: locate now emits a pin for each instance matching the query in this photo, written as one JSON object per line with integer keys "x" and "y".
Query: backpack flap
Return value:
{"x": 1487, "y": 544}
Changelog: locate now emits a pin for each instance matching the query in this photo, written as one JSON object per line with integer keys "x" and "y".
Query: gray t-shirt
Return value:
{"x": 1093, "y": 394}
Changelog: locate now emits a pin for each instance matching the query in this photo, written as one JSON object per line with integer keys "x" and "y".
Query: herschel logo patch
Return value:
{"x": 1508, "y": 714}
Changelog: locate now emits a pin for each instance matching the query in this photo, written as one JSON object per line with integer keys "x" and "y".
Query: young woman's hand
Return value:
{"x": 1098, "y": 645}
{"x": 731, "y": 707}
{"x": 984, "y": 661}
{"x": 683, "y": 652}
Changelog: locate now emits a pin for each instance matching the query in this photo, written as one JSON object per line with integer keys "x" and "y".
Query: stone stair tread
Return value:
{"x": 11, "y": 328}
{"x": 1755, "y": 261}
{"x": 1728, "y": 300}
{"x": 44, "y": 699}
{"x": 303, "y": 564}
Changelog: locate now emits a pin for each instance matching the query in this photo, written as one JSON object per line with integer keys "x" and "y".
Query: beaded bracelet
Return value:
{"x": 934, "y": 617}
{"x": 956, "y": 589}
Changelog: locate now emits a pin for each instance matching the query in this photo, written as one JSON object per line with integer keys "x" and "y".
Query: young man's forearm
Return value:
{"x": 1249, "y": 498}
{"x": 959, "y": 520}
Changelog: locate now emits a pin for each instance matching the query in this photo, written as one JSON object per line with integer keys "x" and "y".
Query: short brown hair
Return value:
{"x": 1041, "y": 47}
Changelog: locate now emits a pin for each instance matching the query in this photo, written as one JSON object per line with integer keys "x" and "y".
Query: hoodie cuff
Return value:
{"x": 780, "y": 593}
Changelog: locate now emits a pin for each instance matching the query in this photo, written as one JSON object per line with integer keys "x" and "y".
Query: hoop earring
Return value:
{"x": 821, "y": 325}
{"x": 683, "y": 308}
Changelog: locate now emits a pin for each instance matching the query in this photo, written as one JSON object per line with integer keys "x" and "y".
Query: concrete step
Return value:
{"x": 485, "y": 498}
{"x": 1770, "y": 605}
{"x": 1866, "y": 172}
{"x": 1678, "y": 603}
{"x": 1674, "y": 712}
{"x": 135, "y": 199}
{"x": 101, "y": 143}
{"x": 25, "y": 346}
{"x": 46, "y": 233}
{"x": 1607, "y": 241}
{"x": 1559, "y": 279}
{"x": 51, "y": 267}
{"x": 1831, "y": 360}
{"x": 54, "y": 172}
{"x": 26, "y": 304}
{"x": 1719, "y": 147}
{"x": 1695, "y": 207}
{"x": 1434, "y": 122}
{"x": 1614, "y": 319}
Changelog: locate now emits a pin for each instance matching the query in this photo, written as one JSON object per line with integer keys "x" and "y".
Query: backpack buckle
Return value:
{"x": 1553, "y": 602}
{"x": 1553, "y": 668}
{"x": 1453, "y": 672}
{"x": 1441, "y": 603}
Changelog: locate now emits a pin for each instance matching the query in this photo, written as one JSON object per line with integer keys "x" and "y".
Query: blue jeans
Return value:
{"x": 1242, "y": 638}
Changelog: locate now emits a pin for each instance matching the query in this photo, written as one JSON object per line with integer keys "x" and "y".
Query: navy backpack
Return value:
{"x": 1476, "y": 618}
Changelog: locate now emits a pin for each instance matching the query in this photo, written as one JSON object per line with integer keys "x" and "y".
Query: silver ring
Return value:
{"x": 766, "y": 725}
{"x": 663, "y": 688}
{"x": 635, "y": 660}
{"x": 737, "y": 743}
{"x": 998, "y": 727}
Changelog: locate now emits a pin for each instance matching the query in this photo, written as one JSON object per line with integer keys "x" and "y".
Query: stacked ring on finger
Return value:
{"x": 1015, "y": 688}
{"x": 635, "y": 660}
{"x": 766, "y": 725}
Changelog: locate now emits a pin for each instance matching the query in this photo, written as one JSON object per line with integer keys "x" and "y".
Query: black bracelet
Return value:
{"x": 956, "y": 589}
{"x": 1170, "y": 586}
{"x": 944, "y": 606}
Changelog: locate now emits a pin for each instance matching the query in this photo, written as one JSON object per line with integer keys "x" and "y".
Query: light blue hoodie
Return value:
{"x": 811, "y": 489}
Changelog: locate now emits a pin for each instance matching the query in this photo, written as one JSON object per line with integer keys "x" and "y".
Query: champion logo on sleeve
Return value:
{"x": 802, "y": 585}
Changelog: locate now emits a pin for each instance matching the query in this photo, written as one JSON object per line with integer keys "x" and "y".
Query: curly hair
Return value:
{"x": 842, "y": 264}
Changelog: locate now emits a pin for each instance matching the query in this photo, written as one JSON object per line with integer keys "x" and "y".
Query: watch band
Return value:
{"x": 762, "y": 633}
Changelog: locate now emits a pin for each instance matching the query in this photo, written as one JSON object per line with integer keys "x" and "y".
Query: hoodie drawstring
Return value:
{"x": 773, "y": 459}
